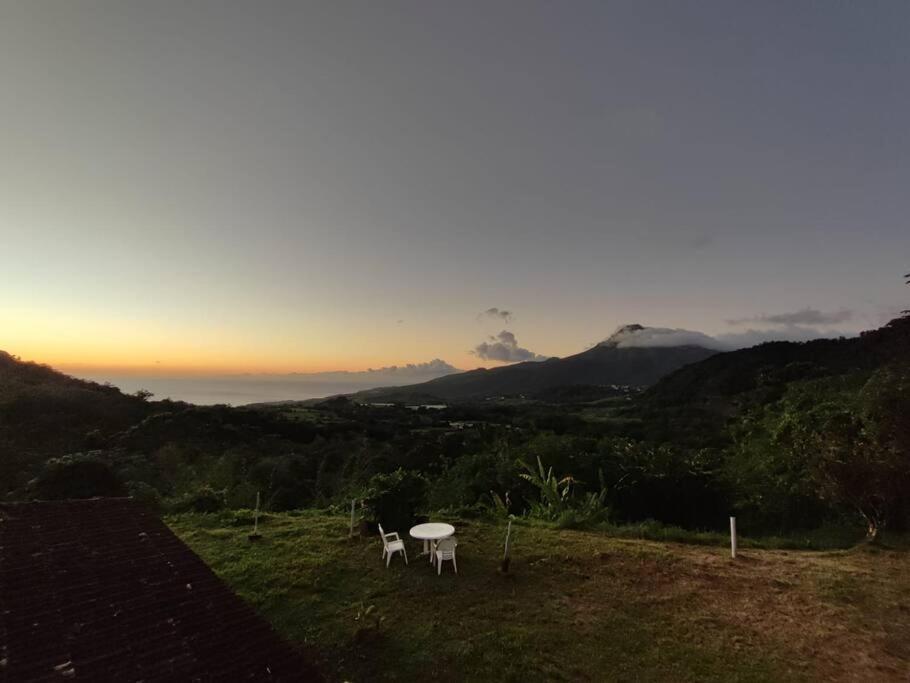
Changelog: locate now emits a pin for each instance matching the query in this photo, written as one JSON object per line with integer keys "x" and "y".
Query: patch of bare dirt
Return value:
{"x": 842, "y": 616}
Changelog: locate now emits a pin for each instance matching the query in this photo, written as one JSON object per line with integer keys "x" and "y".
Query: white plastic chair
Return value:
{"x": 445, "y": 550}
{"x": 391, "y": 544}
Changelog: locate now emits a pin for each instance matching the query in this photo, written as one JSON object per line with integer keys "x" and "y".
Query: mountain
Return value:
{"x": 44, "y": 413}
{"x": 613, "y": 361}
{"x": 41, "y": 408}
{"x": 763, "y": 369}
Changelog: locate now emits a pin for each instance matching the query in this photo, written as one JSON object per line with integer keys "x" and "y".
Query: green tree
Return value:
{"x": 858, "y": 447}
{"x": 393, "y": 499}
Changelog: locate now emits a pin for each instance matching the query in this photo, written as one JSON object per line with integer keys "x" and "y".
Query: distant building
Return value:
{"x": 102, "y": 590}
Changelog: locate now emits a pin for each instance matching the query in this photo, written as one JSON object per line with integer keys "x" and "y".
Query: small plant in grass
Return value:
{"x": 369, "y": 622}
{"x": 500, "y": 504}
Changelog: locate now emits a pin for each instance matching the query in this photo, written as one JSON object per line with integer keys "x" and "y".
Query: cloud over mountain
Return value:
{"x": 504, "y": 348}
{"x": 795, "y": 333}
{"x": 805, "y": 316}
{"x": 629, "y": 336}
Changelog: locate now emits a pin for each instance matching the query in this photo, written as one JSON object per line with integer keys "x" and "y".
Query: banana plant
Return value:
{"x": 556, "y": 494}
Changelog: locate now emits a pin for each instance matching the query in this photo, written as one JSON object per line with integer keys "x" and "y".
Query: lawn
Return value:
{"x": 575, "y": 605}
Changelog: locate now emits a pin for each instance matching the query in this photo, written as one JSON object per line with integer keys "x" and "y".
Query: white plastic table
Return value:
{"x": 430, "y": 533}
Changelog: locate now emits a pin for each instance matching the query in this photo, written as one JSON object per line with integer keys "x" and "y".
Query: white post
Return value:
{"x": 733, "y": 537}
{"x": 351, "y": 534}
{"x": 256, "y": 516}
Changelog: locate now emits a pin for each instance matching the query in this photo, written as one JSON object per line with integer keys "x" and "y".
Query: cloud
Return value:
{"x": 630, "y": 336}
{"x": 805, "y": 316}
{"x": 504, "y": 348}
{"x": 795, "y": 333}
{"x": 437, "y": 366}
{"x": 388, "y": 375}
{"x": 497, "y": 313}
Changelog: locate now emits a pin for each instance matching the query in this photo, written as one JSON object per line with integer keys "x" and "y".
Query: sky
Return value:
{"x": 219, "y": 187}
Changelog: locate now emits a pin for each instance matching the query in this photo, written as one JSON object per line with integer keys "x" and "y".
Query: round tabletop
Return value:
{"x": 432, "y": 531}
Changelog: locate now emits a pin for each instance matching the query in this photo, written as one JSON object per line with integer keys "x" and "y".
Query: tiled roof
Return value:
{"x": 102, "y": 590}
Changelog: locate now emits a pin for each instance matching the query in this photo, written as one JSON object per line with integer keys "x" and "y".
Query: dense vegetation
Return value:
{"x": 787, "y": 436}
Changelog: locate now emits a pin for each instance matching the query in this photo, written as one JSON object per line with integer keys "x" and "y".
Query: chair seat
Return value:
{"x": 395, "y": 545}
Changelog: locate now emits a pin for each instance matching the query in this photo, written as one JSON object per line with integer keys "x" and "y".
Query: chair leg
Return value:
{"x": 438, "y": 567}
{"x": 405, "y": 551}
{"x": 388, "y": 559}
{"x": 454, "y": 564}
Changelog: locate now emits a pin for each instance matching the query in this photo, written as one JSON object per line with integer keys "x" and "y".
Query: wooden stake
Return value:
{"x": 505, "y": 556}
{"x": 255, "y": 536}
{"x": 733, "y": 537}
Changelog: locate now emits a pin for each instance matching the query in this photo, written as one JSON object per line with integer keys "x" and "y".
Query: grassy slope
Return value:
{"x": 577, "y": 606}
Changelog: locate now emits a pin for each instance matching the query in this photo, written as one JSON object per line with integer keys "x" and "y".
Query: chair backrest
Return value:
{"x": 382, "y": 535}
{"x": 447, "y": 545}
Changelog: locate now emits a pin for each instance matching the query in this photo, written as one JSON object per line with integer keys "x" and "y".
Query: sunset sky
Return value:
{"x": 209, "y": 187}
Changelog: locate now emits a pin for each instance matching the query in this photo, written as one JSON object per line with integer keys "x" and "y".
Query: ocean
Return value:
{"x": 234, "y": 390}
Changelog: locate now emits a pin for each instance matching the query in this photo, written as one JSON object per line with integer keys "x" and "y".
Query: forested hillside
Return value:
{"x": 44, "y": 413}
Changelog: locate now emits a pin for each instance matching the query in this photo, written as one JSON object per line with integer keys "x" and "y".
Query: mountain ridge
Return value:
{"x": 611, "y": 362}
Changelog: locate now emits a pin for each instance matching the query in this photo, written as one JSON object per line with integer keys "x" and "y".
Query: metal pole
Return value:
{"x": 733, "y": 537}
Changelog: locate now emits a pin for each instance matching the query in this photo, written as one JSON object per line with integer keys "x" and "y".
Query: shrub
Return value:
{"x": 76, "y": 476}
{"x": 203, "y": 499}
{"x": 393, "y": 499}
{"x": 243, "y": 495}
{"x": 146, "y": 494}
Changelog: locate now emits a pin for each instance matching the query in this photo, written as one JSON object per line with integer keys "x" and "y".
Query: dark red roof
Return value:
{"x": 102, "y": 590}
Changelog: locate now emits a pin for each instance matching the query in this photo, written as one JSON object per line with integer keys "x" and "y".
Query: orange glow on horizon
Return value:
{"x": 165, "y": 369}
{"x": 87, "y": 343}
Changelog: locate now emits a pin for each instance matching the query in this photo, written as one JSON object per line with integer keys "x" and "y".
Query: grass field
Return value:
{"x": 575, "y": 605}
